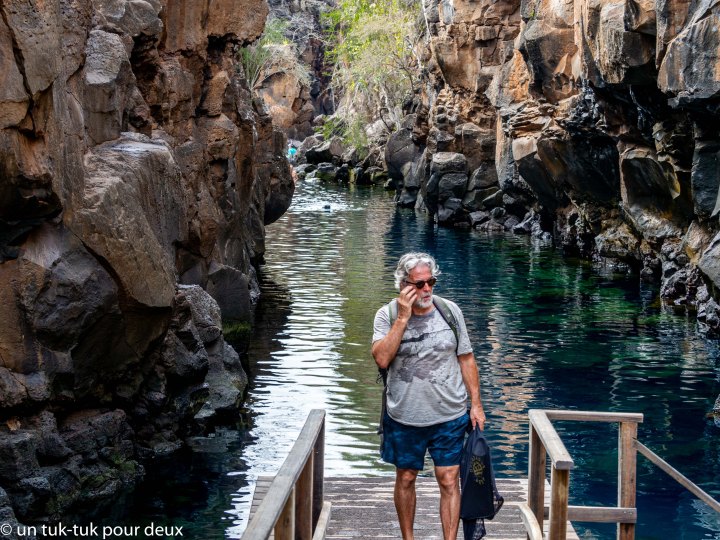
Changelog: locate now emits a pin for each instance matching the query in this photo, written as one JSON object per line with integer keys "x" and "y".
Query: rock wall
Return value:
{"x": 136, "y": 177}
{"x": 594, "y": 122}
{"x": 293, "y": 103}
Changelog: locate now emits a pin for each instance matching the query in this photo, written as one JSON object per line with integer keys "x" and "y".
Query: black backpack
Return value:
{"x": 479, "y": 499}
{"x": 451, "y": 321}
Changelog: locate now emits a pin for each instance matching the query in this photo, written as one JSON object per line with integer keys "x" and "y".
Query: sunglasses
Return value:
{"x": 420, "y": 284}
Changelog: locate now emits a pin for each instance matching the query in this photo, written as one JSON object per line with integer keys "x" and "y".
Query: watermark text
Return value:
{"x": 90, "y": 530}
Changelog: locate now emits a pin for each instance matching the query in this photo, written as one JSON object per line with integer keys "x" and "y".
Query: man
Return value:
{"x": 430, "y": 375}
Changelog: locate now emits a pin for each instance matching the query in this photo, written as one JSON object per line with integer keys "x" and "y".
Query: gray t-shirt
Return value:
{"x": 425, "y": 384}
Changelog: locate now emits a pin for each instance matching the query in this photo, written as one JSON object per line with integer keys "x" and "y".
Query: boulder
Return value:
{"x": 226, "y": 382}
{"x": 479, "y": 217}
{"x": 400, "y": 151}
{"x": 705, "y": 178}
{"x": 709, "y": 263}
{"x": 493, "y": 200}
{"x": 452, "y": 185}
{"x": 108, "y": 81}
{"x": 451, "y": 212}
{"x": 448, "y": 162}
{"x": 65, "y": 290}
{"x": 230, "y": 289}
{"x": 645, "y": 180}
{"x": 36, "y": 29}
{"x": 18, "y": 458}
{"x": 690, "y": 63}
{"x": 476, "y": 144}
{"x": 132, "y": 17}
{"x": 326, "y": 172}
{"x": 14, "y": 100}
{"x": 326, "y": 152}
{"x": 141, "y": 176}
{"x": 483, "y": 177}
{"x": 618, "y": 242}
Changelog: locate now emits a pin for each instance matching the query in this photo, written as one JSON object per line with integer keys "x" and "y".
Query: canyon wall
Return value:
{"x": 595, "y": 122}
{"x": 137, "y": 174}
{"x": 292, "y": 102}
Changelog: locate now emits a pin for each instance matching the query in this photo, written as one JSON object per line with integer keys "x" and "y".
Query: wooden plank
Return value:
{"x": 323, "y": 521}
{"x": 304, "y": 502}
{"x": 627, "y": 475}
{"x": 362, "y": 507}
{"x": 274, "y": 502}
{"x": 285, "y": 524}
{"x": 602, "y": 514}
{"x": 536, "y": 476}
{"x": 559, "y": 495}
{"x": 533, "y": 528}
{"x": 593, "y": 416}
{"x": 678, "y": 477}
{"x": 551, "y": 440}
{"x": 318, "y": 476}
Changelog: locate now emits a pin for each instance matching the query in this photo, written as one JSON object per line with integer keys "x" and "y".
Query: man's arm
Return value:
{"x": 470, "y": 377}
{"x": 385, "y": 349}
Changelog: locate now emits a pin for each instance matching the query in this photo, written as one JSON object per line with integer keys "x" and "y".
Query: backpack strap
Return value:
{"x": 441, "y": 306}
{"x": 447, "y": 314}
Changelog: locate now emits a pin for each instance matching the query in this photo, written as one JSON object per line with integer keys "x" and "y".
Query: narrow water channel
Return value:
{"x": 547, "y": 333}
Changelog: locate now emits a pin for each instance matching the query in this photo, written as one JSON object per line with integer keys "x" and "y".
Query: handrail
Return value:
{"x": 551, "y": 440}
{"x": 294, "y": 500}
{"x": 678, "y": 477}
{"x": 545, "y": 441}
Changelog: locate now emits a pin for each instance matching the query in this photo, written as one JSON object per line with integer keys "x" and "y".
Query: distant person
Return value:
{"x": 422, "y": 341}
{"x": 291, "y": 153}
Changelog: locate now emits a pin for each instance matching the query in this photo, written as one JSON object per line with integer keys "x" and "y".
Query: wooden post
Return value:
{"x": 559, "y": 495}
{"x": 285, "y": 525}
{"x": 318, "y": 475}
{"x": 304, "y": 502}
{"x": 627, "y": 475}
{"x": 536, "y": 476}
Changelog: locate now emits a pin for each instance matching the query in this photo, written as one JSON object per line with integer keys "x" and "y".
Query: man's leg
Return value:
{"x": 405, "y": 500}
{"x": 448, "y": 480}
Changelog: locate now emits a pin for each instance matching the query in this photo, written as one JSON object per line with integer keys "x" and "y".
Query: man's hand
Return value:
{"x": 477, "y": 417}
{"x": 407, "y": 298}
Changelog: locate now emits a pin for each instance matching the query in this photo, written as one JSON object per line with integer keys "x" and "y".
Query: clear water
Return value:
{"x": 547, "y": 333}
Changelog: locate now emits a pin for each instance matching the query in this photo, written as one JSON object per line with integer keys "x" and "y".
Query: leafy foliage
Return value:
{"x": 375, "y": 67}
{"x": 272, "y": 53}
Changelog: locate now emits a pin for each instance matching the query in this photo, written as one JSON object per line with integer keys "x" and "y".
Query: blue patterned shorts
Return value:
{"x": 405, "y": 446}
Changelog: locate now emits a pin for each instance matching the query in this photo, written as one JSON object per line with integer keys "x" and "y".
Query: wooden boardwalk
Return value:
{"x": 363, "y": 508}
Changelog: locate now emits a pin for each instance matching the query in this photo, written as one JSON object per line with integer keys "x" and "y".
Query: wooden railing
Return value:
{"x": 545, "y": 441}
{"x": 293, "y": 506}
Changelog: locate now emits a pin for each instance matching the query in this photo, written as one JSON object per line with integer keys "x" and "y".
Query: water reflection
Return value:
{"x": 547, "y": 332}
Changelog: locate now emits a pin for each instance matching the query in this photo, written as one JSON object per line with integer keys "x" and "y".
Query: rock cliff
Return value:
{"x": 596, "y": 122}
{"x": 137, "y": 174}
{"x": 294, "y": 103}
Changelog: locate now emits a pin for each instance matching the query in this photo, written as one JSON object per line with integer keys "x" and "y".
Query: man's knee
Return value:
{"x": 448, "y": 478}
{"x": 405, "y": 478}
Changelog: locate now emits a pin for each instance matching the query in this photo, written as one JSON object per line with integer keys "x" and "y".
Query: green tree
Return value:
{"x": 374, "y": 62}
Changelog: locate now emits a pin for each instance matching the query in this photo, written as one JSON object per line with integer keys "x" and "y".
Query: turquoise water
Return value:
{"x": 547, "y": 332}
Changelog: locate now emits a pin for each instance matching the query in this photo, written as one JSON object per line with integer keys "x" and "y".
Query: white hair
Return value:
{"x": 411, "y": 260}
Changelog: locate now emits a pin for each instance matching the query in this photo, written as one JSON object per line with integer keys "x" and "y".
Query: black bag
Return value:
{"x": 479, "y": 498}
